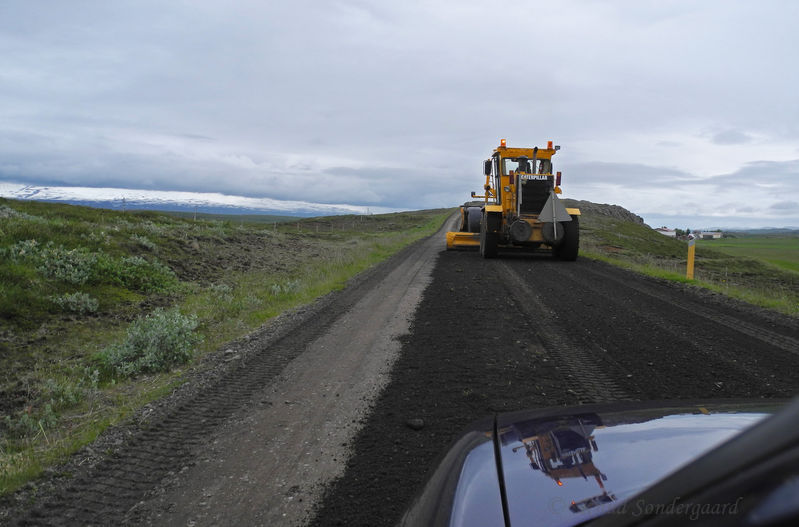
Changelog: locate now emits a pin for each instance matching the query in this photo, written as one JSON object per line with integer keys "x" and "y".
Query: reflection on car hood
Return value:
{"x": 573, "y": 467}
{"x": 565, "y": 466}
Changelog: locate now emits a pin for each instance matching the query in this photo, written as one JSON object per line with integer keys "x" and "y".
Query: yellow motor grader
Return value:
{"x": 519, "y": 207}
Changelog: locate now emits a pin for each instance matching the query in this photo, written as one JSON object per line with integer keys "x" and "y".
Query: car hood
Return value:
{"x": 564, "y": 466}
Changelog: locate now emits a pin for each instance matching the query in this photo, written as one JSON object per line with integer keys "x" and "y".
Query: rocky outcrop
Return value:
{"x": 603, "y": 209}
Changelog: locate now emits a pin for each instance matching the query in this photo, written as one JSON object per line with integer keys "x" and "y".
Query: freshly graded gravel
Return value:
{"x": 525, "y": 332}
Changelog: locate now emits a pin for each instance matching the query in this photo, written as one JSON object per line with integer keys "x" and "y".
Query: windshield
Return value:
{"x": 526, "y": 166}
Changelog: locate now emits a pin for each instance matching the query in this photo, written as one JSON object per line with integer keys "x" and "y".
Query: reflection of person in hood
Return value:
{"x": 528, "y": 448}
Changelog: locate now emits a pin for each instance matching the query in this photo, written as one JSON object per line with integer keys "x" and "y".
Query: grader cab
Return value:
{"x": 519, "y": 207}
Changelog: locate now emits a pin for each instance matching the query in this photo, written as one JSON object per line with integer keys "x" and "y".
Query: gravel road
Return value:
{"x": 333, "y": 414}
{"x": 525, "y": 332}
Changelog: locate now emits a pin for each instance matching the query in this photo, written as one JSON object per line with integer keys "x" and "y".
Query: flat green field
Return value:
{"x": 781, "y": 251}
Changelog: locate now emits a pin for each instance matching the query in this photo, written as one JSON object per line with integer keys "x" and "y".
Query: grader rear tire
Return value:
{"x": 570, "y": 246}
{"x": 473, "y": 217}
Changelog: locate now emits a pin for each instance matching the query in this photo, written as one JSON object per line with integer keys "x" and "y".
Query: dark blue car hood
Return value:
{"x": 567, "y": 465}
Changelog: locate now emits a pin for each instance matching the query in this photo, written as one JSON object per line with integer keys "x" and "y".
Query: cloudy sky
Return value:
{"x": 685, "y": 112}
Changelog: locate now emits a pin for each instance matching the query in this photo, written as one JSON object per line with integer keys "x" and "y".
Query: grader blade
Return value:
{"x": 463, "y": 240}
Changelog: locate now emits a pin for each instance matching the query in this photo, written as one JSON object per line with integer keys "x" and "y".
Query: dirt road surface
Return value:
{"x": 335, "y": 415}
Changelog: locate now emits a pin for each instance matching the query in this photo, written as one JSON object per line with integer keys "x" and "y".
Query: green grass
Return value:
{"x": 782, "y": 252}
{"x": 233, "y": 274}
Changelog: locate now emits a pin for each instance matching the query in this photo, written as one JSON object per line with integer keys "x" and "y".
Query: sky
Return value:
{"x": 684, "y": 112}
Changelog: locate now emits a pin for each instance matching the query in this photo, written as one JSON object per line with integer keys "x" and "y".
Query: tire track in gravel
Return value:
{"x": 683, "y": 328}
{"x": 736, "y": 323}
{"x": 624, "y": 316}
{"x": 587, "y": 379}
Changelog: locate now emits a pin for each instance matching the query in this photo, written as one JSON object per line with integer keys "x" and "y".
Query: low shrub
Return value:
{"x": 29, "y": 424}
{"x": 134, "y": 272}
{"x": 98, "y": 237}
{"x": 143, "y": 241}
{"x": 80, "y": 266}
{"x": 76, "y": 302}
{"x": 69, "y": 265}
{"x": 7, "y": 213}
{"x": 222, "y": 292}
{"x": 73, "y": 266}
{"x": 153, "y": 343}
{"x": 67, "y": 392}
{"x": 287, "y": 287}
{"x": 154, "y": 228}
{"x": 55, "y": 395}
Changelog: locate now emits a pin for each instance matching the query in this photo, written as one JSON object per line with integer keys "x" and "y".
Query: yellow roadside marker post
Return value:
{"x": 689, "y": 269}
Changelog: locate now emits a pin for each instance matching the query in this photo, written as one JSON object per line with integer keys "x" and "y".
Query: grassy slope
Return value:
{"x": 743, "y": 275}
{"x": 233, "y": 275}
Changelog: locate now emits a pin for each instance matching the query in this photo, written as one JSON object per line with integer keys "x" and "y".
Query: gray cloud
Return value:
{"x": 785, "y": 206}
{"x": 731, "y": 137}
{"x": 776, "y": 178}
{"x": 632, "y": 175}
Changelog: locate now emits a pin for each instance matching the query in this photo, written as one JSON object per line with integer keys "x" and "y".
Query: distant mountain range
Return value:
{"x": 203, "y": 202}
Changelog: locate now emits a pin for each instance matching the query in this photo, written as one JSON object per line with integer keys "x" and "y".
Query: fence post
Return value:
{"x": 689, "y": 269}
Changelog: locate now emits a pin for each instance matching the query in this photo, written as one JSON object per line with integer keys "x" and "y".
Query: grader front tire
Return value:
{"x": 489, "y": 239}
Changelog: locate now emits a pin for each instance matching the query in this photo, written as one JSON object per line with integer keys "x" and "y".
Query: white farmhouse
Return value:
{"x": 671, "y": 233}
{"x": 709, "y": 235}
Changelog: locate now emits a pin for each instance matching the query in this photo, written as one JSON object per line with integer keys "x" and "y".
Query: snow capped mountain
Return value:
{"x": 117, "y": 198}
